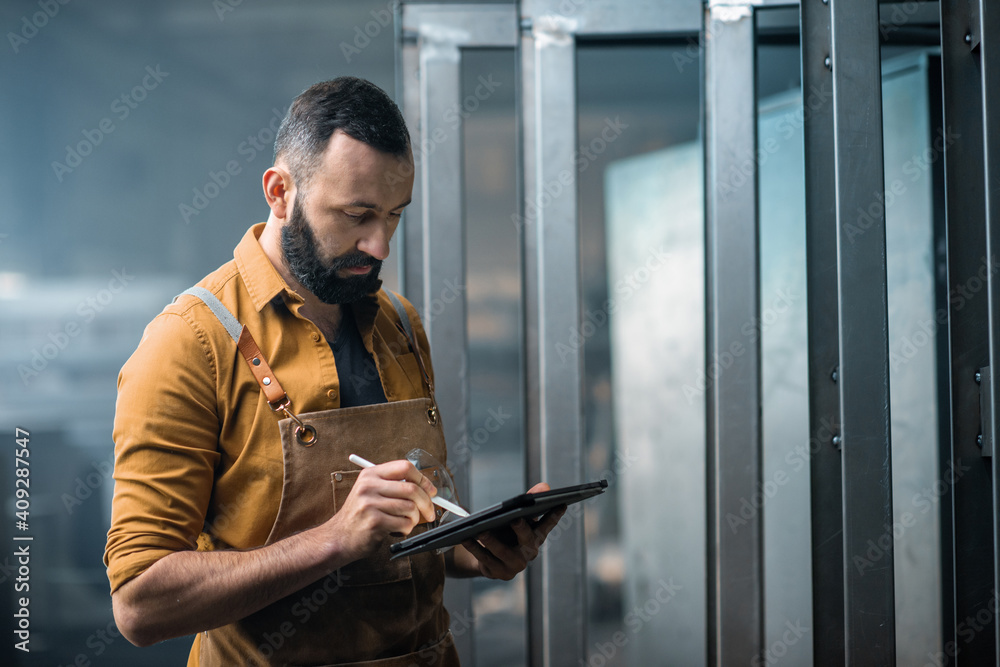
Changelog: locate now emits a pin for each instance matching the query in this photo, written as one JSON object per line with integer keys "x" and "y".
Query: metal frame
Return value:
{"x": 989, "y": 22}
{"x": 733, "y": 402}
{"x": 848, "y": 334}
{"x": 969, "y": 74}
{"x": 823, "y": 335}
{"x": 433, "y": 257}
{"x": 848, "y": 330}
{"x": 864, "y": 330}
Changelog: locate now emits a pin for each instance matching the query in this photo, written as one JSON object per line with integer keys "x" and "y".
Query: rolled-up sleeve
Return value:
{"x": 166, "y": 447}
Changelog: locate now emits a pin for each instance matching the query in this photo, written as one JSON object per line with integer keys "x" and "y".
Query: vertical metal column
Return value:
{"x": 869, "y": 616}
{"x": 989, "y": 21}
{"x": 432, "y": 37}
{"x": 556, "y": 604}
{"x": 823, "y": 333}
{"x": 970, "y": 269}
{"x": 735, "y": 558}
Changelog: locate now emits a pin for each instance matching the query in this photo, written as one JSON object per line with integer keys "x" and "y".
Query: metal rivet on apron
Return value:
{"x": 256, "y": 361}
{"x": 337, "y": 476}
{"x": 266, "y": 381}
{"x": 332, "y": 393}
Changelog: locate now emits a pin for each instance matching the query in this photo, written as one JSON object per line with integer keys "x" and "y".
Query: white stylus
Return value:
{"x": 440, "y": 502}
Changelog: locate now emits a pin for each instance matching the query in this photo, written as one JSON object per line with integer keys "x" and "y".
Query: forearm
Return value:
{"x": 191, "y": 591}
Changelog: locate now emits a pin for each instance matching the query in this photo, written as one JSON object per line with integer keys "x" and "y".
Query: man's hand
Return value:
{"x": 389, "y": 498}
{"x": 191, "y": 591}
{"x": 503, "y": 552}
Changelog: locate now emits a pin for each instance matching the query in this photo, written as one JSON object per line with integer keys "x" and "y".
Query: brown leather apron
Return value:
{"x": 374, "y": 612}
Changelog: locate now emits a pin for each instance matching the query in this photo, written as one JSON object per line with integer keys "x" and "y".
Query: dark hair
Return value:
{"x": 354, "y": 106}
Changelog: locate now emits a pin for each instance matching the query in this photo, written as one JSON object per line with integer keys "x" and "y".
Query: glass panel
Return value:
{"x": 493, "y": 282}
{"x": 912, "y": 151}
{"x": 642, "y": 334}
{"x": 781, "y": 328}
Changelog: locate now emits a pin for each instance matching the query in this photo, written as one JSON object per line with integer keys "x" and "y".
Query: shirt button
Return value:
{"x": 332, "y": 394}
{"x": 315, "y": 337}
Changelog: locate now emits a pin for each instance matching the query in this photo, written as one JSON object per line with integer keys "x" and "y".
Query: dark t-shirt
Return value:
{"x": 359, "y": 380}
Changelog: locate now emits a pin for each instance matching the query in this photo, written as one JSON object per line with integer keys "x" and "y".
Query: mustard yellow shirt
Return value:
{"x": 197, "y": 448}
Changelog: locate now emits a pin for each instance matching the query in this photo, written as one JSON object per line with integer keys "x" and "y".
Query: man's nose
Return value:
{"x": 376, "y": 240}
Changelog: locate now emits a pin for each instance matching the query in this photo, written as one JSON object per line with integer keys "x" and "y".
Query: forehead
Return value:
{"x": 352, "y": 171}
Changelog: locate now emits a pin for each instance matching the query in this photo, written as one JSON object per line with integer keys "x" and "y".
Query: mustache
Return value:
{"x": 355, "y": 260}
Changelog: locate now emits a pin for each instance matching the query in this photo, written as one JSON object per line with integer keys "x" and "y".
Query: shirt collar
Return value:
{"x": 262, "y": 280}
{"x": 264, "y": 283}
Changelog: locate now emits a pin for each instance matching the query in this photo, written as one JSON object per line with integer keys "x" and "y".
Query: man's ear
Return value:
{"x": 279, "y": 189}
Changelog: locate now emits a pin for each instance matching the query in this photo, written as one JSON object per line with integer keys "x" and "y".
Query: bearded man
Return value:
{"x": 236, "y": 514}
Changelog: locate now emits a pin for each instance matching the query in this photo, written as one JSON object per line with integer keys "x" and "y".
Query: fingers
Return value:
{"x": 548, "y": 521}
{"x": 490, "y": 565}
{"x": 400, "y": 480}
{"x": 538, "y": 488}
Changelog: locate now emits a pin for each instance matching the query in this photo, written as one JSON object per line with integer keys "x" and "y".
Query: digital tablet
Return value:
{"x": 525, "y": 505}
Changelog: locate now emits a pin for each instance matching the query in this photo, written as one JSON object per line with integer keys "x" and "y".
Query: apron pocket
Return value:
{"x": 376, "y": 568}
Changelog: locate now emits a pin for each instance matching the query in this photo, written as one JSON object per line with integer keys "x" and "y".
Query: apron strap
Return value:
{"x": 276, "y": 397}
{"x": 401, "y": 311}
{"x": 406, "y": 327}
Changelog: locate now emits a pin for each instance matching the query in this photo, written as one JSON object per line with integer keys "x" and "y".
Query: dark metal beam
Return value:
{"x": 823, "y": 333}
{"x": 869, "y": 611}
{"x": 970, "y": 484}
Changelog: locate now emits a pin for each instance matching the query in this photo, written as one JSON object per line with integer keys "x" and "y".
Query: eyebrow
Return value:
{"x": 365, "y": 204}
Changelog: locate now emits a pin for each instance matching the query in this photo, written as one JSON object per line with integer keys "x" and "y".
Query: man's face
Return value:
{"x": 339, "y": 227}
